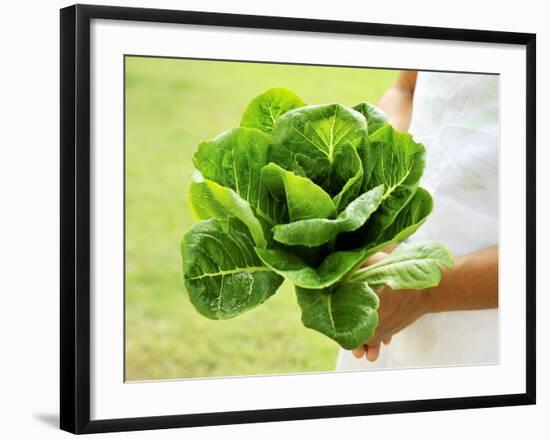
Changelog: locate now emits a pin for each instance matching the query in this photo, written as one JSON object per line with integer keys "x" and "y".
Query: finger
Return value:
{"x": 359, "y": 352}
{"x": 373, "y": 352}
{"x": 377, "y": 257}
{"x": 375, "y": 339}
{"x": 390, "y": 248}
{"x": 386, "y": 340}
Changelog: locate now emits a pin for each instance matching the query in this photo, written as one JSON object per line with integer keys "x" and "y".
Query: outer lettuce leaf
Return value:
{"x": 211, "y": 200}
{"x": 410, "y": 218}
{"x": 376, "y": 118}
{"x": 223, "y": 275}
{"x": 347, "y": 314}
{"x": 304, "y": 199}
{"x": 234, "y": 159}
{"x": 264, "y": 110}
{"x": 395, "y": 160}
{"x": 410, "y": 266}
{"x": 314, "y": 232}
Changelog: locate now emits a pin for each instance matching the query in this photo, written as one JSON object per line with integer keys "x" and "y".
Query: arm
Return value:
{"x": 397, "y": 100}
{"x": 471, "y": 285}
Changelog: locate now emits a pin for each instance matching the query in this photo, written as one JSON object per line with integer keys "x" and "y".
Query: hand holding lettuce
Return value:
{"x": 306, "y": 193}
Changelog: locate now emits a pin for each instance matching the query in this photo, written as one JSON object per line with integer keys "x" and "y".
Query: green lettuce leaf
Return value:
{"x": 376, "y": 118}
{"x": 415, "y": 265}
{"x": 289, "y": 264}
{"x": 347, "y": 314}
{"x": 311, "y": 140}
{"x": 264, "y": 110}
{"x": 396, "y": 161}
{"x": 314, "y": 232}
{"x": 234, "y": 159}
{"x": 211, "y": 200}
{"x": 410, "y": 218}
{"x": 223, "y": 275}
{"x": 304, "y": 199}
{"x": 346, "y": 176}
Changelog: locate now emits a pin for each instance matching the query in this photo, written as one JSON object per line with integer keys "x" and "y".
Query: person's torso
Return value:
{"x": 456, "y": 117}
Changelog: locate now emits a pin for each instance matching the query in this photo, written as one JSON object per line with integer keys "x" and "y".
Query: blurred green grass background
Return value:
{"x": 171, "y": 105}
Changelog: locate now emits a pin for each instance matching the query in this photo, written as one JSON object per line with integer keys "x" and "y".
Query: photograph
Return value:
{"x": 266, "y": 220}
{"x": 295, "y": 218}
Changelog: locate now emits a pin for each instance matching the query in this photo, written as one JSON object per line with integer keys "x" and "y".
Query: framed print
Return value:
{"x": 261, "y": 214}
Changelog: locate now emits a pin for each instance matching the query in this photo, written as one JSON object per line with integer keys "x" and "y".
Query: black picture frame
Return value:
{"x": 75, "y": 217}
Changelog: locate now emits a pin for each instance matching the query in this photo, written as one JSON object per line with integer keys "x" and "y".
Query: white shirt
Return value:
{"x": 456, "y": 117}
